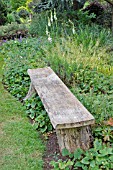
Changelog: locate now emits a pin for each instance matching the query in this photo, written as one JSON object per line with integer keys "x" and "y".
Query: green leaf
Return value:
{"x": 67, "y": 168}
{"x": 33, "y": 105}
{"x": 42, "y": 124}
{"x": 32, "y": 115}
{"x": 35, "y": 126}
{"x": 106, "y": 151}
{"x": 50, "y": 127}
{"x": 28, "y": 104}
{"x": 85, "y": 161}
{"x": 69, "y": 163}
{"x": 78, "y": 153}
{"x": 62, "y": 165}
{"x": 27, "y": 112}
{"x": 43, "y": 129}
{"x": 96, "y": 167}
{"x": 65, "y": 152}
{"x": 92, "y": 164}
{"x": 37, "y": 119}
{"x": 71, "y": 155}
{"x": 99, "y": 160}
{"x": 111, "y": 158}
{"x": 98, "y": 144}
{"x": 84, "y": 167}
{"x": 78, "y": 164}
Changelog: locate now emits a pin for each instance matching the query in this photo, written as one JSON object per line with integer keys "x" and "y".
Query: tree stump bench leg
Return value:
{"x": 71, "y": 139}
{"x": 30, "y": 92}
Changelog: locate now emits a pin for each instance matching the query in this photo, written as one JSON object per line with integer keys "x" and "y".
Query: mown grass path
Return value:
{"x": 20, "y": 145}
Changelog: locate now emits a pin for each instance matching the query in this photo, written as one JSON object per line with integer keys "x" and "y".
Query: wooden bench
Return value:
{"x": 68, "y": 116}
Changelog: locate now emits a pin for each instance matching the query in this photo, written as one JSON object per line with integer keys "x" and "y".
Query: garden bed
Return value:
{"x": 86, "y": 66}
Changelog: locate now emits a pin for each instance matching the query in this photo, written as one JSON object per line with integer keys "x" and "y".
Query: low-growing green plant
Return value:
{"x": 36, "y": 111}
{"x": 98, "y": 157}
{"x": 17, "y": 81}
{"x": 22, "y": 57}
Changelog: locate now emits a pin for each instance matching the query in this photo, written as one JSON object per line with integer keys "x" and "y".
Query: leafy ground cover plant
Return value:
{"x": 17, "y": 81}
{"x": 38, "y": 115}
{"x": 99, "y": 157}
{"x": 22, "y": 56}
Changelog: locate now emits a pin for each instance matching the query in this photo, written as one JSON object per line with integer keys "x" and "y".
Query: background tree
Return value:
{"x": 111, "y": 3}
{"x": 3, "y": 12}
{"x": 78, "y": 4}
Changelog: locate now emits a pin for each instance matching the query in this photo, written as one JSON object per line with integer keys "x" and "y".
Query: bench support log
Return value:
{"x": 74, "y": 138}
{"x": 30, "y": 92}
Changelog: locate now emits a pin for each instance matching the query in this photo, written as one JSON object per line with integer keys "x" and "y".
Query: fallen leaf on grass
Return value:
{"x": 110, "y": 122}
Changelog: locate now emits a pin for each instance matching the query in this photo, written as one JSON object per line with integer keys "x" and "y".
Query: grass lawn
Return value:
{"x": 20, "y": 145}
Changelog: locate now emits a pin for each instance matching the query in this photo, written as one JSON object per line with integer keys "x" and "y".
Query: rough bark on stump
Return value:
{"x": 74, "y": 138}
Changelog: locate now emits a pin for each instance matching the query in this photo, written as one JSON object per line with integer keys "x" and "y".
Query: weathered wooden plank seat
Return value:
{"x": 68, "y": 116}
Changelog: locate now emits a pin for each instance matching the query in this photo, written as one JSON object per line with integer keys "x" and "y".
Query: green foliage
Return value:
{"x": 13, "y": 28}
{"x": 82, "y": 62}
{"x": 105, "y": 133}
{"x": 36, "y": 111}
{"x": 10, "y": 18}
{"x": 22, "y": 56}
{"x": 3, "y": 12}
{"x": 98, "y": 157}
{"x": 58, "y": 23}
{"x": 17, "y": 81}
{"x": 38, "y": 24}
{"x": 84, "y": 17}
{"x": 23, "y": 12}
{"x": 61, "y": 6}
{"x": 30, "y": 4}
{"x": 17, "y": 3}
{"x": 81, "y": 56}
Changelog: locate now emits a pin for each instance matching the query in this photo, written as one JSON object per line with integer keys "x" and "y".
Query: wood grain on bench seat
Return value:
{"x": 64, "y": 109}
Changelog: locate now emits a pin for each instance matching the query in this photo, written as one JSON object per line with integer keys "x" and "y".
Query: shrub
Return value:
{"x": 23, "y": 12}
{"x": 17, "y": 3}
{"x": 13, "y": 30}
{"x": 10, "y": 18}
